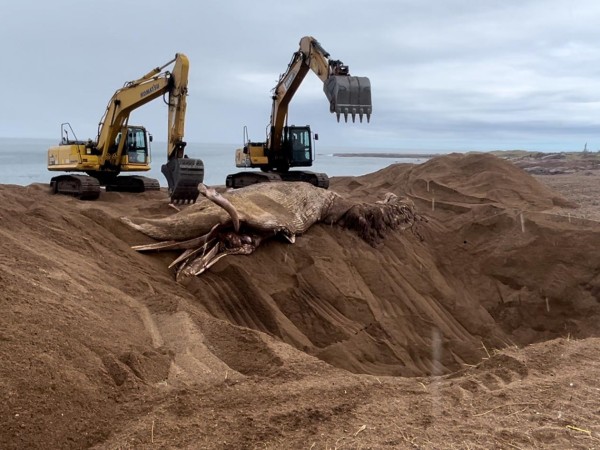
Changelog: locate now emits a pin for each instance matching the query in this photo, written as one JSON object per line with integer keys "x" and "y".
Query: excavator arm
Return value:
{"x": 347, "y": 95}
{"x": 183, "y": 174}
{"x": 177, "y": 108}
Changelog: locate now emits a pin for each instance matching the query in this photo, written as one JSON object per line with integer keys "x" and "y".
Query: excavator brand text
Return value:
{"x": 150, "y": 90}
{"x": 290, "y": 78}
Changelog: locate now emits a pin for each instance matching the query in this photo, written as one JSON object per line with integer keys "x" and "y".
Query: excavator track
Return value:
{"x": 87, "y": 187}
{"x": 82, "y": 187}
{"x": 316, "y": 179}
{"x": 242, "y": 179}
{"x": 133, "y": 183}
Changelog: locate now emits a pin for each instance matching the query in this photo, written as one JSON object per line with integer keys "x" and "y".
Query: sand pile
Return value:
{"x": 97, "y": 338}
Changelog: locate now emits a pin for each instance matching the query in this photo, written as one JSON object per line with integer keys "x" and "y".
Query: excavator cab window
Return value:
{"x": 301, "y": 148}
{"x": 137, "y": 145}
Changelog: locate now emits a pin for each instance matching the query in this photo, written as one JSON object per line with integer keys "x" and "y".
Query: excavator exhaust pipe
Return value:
{"x": 349, "y": 95}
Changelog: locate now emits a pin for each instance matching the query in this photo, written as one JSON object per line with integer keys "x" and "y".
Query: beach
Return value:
{"x": 477, "y": 327}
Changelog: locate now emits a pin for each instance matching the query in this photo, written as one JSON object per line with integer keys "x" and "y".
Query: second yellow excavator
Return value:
{"x": 120, "y": 147}
{"x": 292, "y": 146}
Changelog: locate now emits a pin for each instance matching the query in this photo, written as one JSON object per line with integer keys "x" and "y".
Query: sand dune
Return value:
{"x": 476, "y": 327}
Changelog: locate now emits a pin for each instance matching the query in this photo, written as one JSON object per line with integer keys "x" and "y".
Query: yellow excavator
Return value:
{"x": 120, "y": 147}
{"x": 292, "y": 146}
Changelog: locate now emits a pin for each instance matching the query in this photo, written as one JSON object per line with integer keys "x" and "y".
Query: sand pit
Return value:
{"x": 475, "y": 328}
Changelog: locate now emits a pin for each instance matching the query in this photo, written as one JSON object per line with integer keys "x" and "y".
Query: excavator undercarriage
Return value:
{"x": 183, "y": 176}
{"x": 88, "y": 187}
{"x": 243, "y": 179}
{"x": 82, "y": 187}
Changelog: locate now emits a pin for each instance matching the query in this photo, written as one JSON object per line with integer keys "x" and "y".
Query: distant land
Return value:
{"x": 387, "y": 155}
{"x": 509, "y": 154}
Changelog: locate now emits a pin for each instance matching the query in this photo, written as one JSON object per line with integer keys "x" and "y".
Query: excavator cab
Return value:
{"x": 297, "y": 145}
{"x": 137, "y": 145}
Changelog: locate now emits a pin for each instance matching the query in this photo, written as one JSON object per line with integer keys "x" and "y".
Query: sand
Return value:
{"x": 477, "y": 328}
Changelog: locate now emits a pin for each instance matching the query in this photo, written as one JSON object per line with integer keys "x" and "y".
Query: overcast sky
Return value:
{"x": 445, "y": 74}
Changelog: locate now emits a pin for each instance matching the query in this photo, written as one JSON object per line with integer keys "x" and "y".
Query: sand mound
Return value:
{"x": 96, "y": 337}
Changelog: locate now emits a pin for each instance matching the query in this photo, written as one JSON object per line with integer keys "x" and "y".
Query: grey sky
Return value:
{"x": 446, "y": 74}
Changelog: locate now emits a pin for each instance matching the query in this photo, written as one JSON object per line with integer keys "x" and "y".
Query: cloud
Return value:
{"x": 444, "y": 73}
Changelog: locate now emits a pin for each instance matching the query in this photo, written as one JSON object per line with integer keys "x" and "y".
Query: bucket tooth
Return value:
{"x": 361, "y": 113}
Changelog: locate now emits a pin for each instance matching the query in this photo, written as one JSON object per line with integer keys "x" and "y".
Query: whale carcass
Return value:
{"x": 237, "y": 221}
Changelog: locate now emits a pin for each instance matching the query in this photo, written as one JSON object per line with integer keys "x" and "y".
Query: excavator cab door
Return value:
{"x": 137, "y": 146}
{"x": 299, "y": 144}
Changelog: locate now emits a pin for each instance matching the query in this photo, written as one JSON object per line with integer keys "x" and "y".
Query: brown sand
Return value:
{"x": 477, "y": 329}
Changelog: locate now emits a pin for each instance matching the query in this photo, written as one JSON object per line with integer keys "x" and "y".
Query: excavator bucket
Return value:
{"x": 349, "y": 95}
{"x": 183, "y": 176}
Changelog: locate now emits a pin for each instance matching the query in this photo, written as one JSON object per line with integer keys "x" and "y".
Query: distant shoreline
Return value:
{"x": 386, "y": 155}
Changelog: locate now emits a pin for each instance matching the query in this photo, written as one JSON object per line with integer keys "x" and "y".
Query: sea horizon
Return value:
{"x": 23, "y": 161}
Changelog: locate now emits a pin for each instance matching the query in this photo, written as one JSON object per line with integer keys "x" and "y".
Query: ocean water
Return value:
{"x": 23, "y": 161}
